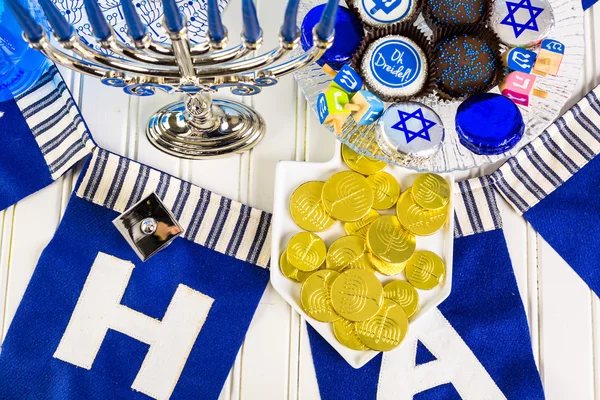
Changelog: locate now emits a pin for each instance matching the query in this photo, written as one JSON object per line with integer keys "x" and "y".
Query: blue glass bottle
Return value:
{"x": 20, "y": 66}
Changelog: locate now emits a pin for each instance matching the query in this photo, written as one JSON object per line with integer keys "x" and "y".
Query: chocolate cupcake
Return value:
{"x": 466, "y": 63}
{"x": 438, "y": 13}
{"x": 395, "y": 63}
{"x": 382, "y": 13}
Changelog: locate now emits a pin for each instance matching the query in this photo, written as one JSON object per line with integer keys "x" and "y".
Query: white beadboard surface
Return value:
{"x": 275, "y": 361}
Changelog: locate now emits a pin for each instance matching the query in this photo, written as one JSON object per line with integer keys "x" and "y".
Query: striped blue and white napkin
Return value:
{"x": 475, "y": 345}
{"x": 42, "y": 135}
{"x": 98, "y": 323}
{"x": 554, "y": 182}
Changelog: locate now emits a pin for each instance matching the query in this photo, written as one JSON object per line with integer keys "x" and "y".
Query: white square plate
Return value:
{"x": 289, "y": 176}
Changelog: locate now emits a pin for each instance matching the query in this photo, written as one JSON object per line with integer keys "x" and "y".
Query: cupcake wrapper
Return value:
{"x": 435, "y": 26}
{"x": 409, "y": 30}
{"x": 412, "y": 18}
{"x": 484, "y": 33}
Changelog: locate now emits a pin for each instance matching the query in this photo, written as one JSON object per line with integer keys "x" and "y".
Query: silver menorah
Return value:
{"x": 199, "y": 127}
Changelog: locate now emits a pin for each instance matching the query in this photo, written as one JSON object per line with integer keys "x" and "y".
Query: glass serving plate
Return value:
{"x": 568, "y": 29}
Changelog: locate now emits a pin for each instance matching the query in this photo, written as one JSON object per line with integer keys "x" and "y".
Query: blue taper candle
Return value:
{"x": 252, "y": 31}
{"x": 135, "y": 28}
{"x": 32, "y": 29}
{"x": 173, "y": 18}
{"x": 326, "y": 25}
{"x": 289, "y": 29}
{"x": 216, "y": 30}
{"x": 62, "y": 29}
{"x": 99, "y": 25}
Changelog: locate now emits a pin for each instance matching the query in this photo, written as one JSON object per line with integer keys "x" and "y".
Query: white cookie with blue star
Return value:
{"x": 381, "y": 13}
{"x": 410, "y": 129}
{"x": 522, "y": 22}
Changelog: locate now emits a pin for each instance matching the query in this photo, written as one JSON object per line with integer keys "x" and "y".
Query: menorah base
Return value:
{"x": 232, "y": 128}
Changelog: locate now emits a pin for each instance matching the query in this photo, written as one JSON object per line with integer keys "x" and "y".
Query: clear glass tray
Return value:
{"x": 568, "y": 29}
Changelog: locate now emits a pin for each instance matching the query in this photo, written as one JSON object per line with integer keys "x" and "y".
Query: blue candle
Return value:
{"x": 135, "y": 28}
{"x": 252, "y": 31}
{"x": 62, "y": 29}
{"x": 289, "y": 29}
{"x": 96, "y": 19}
{"x": 173, "y": 19}
{"x": 216, "y": 30}
{"x": 326, "y": 25}
{"x": 32, "y": 29}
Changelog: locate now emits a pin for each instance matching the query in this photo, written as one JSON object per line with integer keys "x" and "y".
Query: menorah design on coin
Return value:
{"x": 347, "y": 196}
{"x": 386, "y": 330}
{"x": 431, "y": 191}
{"x": 425, "y": 270}
{"x": 389, "y": 241}
{"x": 348, "y": 252}
{"x": 307, "y": 209}
{"x": 306, "y": 251}
{"x": 315, "y": 296}
{"x": 356, "y": 294}
{"x": 418, "y": 220}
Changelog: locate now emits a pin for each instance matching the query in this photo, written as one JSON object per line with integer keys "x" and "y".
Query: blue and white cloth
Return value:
{"x": 554, "y": 182}
{"x": 97, "y": 323}
{"x": 475, "y": 345}
{"x": 43, "y": 136}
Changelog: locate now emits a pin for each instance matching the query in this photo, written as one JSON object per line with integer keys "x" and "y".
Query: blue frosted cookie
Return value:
{"x": 348, "y": 36}
{"x": 489, "y": 123}
{"x": 394, "y": 67}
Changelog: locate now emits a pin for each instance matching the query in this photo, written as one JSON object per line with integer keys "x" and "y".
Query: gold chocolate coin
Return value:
{"x": 384, "y": 267}
{"x": 425, "y": 270}
{"x": 404, "y": 294}
{"x": 386, "y": 330}
{"x": 389, "y": 241}
{"x": 307, "y": 209}
{"x": 356, "y": 294}
{"x": 345, "y": 333}
{"x": 348, "y": 252}
{"x": 431, "y": 191}
{"x": 291, "y": 272}
{"x": 306, "y": 251}
{"x": 361, "y": 227}
{"x": 386, "y": 190}
{"x": 347, "y": 196}
{"x": 419, "y": 220}
{"x": 315, "y": 295}
{"x": 361, "y": 163}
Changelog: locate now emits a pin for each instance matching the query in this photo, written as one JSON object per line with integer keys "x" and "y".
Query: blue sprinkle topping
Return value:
{"x": 465, "y": 64}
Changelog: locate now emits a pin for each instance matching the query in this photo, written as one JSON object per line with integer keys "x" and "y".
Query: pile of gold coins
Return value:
{"x": 339, "y": 284}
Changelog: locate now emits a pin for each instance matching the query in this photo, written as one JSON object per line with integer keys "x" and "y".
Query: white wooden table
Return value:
{"x": 275, "y": 361}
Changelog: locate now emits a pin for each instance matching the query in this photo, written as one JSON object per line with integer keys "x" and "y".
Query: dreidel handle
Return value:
{"x": 329, "y": 71}
{"x": 539, "y": 93}
{"x": 337, "y": 126}
{"x": 352, "y": 107}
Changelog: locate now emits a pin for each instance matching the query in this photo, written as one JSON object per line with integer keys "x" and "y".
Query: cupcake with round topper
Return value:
{"x": 395, "y": 63}
{"x": 440, "y": 13}
{"x": 467, "y": 61}
{"x": 522, "y": 23}
{"x": 381, "y": 13}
